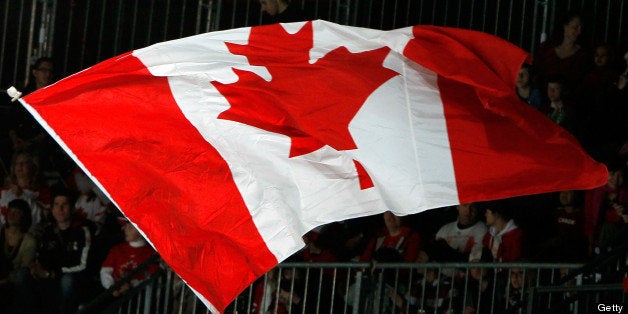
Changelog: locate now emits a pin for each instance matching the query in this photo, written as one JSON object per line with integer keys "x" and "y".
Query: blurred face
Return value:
{"x": 14, "y": 217}
{"x": 566, "y": 197}
{"x": 476, "y": 273}
{"x": 286, "y": 273}
{"x": 392, "y": 222}
{"x": 43, "y": 74}
{"x": 430, "y": 275}
{"x": 61, "y": 209}
{"x": 554, "y": 91}
{"x": 573, "y": 29}
{"x": 271, "y": 7}
{"x": 615, "y": 178}
{"x": 490, "y": 217}
{"x": 523, "y": 78}
{"x": 467, "y": 214}
{"x": 130, "y": 233}
{"x": 516, "y": 278}
{"x": 23, "y": 167}
{"x": 600, "y": 58}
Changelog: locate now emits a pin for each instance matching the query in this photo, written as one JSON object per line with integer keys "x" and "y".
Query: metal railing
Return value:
{"x": 360, "y": 288}
{"x": 414, "y": 288}
{"x": 145, "y": 296}
{"x": 80, "y": 33}
{"x": 580, "y": 289}
{"x": 392, "y": 288}
{"x": 574, "y": 299}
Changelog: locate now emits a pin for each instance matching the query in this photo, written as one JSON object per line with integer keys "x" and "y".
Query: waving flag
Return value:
{"x": 225, "y": 148}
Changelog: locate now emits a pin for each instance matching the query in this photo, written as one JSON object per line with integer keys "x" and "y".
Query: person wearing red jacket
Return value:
{"x": 125, "y": 257}
{"x": 504, "y": 238}
{"x": 395, "y": 243}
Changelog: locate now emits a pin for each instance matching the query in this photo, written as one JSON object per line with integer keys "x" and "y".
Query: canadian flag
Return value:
{"x": 225, "y": 148}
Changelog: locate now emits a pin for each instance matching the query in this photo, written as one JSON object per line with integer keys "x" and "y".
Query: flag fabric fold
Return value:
{"x": 225, "y": 148}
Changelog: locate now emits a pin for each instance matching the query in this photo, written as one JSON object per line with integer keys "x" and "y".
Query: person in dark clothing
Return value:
{"x": 24, "y": 131}
{"x": 281, "y": 11}
{"x": 16, "y": 254}
{"x": 62, "y": 257}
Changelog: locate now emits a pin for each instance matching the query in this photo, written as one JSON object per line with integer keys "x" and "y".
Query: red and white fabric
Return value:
{"x": 225, "y": 148}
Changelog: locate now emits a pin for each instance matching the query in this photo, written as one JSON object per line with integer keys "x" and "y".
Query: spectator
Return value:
{"x": 514, "y": 299}
{"x": 559, "y": 110}
{"x": 601, "y": 76}
{"x": 616, "y": 138}
{"x": 479, "y": 290}
{"x": 25, "y": 132}
{"x": 24, "y": 183}
{"x": 17, "y": 253}
{"x": 352, "y": 236}
{"x": 264, "y": 292}
{"x": 62, "y": 258}
{"x": 604, "y": 207}
{"x": 41, "y": 75}
{"x": 569, "y": 243}
{"x": 322, "y": 281}
{"x": 124, "y": 258}
{"x": 460, "y": 240}
{"x": 317, "y": 247}
{"x": 526, "y": 89}
{"x": 279, "y": 291}
{"x": 504, "y": 239}
{"x": 281, "y": 11}
{"x": 595, "y": 105}
{"x": 92, "y": 204}
{"x": 396, "y": 243}
{"x": 429, "y": 291}
{"x": 563, "y": 55}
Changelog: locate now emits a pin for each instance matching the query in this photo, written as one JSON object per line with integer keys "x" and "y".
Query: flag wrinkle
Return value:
{"x": 469, "y": 56}
{"x": 413, "y": 134}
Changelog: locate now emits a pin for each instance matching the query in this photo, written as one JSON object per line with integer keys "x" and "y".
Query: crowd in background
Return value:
{"x": 579, "y": 86}
{"x": 63, "y": 241}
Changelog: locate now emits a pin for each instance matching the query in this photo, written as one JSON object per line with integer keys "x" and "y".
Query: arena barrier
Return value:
{"x": 389, "y": 288}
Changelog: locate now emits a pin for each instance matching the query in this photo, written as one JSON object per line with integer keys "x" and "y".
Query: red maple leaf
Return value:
{"x": 312, "y": 104}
